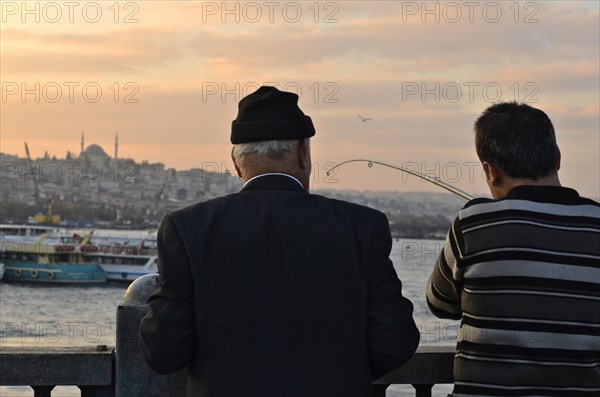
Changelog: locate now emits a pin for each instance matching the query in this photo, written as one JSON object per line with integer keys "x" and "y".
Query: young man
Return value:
{"x": 522, "y": 271}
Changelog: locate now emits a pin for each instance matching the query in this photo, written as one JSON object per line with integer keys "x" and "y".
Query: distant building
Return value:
{"x": 94, "y": 154}
{"x": 96, "y": 178}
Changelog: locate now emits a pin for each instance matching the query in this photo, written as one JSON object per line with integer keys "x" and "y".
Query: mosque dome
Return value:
{"x": 95, "y": 154}
{"x": 95, "y": 150}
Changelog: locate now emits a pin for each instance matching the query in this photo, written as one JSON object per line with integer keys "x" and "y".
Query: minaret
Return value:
{"x": 116, "y": 145}
{"x": 81, "y": 142}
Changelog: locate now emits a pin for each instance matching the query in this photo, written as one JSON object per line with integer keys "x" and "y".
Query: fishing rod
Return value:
{"x": 435, "y": 181}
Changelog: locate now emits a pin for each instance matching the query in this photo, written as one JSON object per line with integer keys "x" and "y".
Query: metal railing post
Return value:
{"x": 423, "y": 390}
{"x": 42, "y": 391}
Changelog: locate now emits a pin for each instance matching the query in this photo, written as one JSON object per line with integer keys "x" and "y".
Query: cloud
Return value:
{"x": 379, "y": 59}
{"x": 87, "y": 54}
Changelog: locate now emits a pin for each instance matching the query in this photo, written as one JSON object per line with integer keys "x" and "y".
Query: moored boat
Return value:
{"x": 30, "y": 233}
{"x": 122, "y": 263}
{"x": 127, "y": 267}
{"x": 48, "y": 262}
{"x": 124, "y": 257}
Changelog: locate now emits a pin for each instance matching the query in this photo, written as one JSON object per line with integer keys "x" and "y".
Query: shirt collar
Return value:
{"x": 544, "y": 193}
{"x": 273, "y": 173}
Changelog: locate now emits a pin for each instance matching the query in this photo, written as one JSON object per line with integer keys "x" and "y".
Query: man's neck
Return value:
{"x": 511, "y": 183}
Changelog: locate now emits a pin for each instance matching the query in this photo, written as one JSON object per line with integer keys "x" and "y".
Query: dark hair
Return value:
{"x": 517, "y": 138}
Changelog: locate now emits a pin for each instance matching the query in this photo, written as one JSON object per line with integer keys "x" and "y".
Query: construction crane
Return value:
{"x": 158, "y": 195}
{"x": 35, "y": 185}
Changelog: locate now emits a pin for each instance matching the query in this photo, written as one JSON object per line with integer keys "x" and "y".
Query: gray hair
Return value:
{"x": 268, "y": 154}
{"x": 265, "y": 148}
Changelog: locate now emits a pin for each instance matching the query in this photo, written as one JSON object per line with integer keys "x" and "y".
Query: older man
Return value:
{"x": 273, "y": 291}
{"x": 522, "y": 271}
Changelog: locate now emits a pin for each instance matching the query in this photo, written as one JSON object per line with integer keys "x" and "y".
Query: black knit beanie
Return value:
{"x": 269, "y": 114}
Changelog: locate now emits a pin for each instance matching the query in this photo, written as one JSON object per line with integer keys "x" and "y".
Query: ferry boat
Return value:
{"x": 50, "y": 258}
{"x": 124, "y": 267}
{"x": 124, "y": 255}
{"x": 26, "y": 233}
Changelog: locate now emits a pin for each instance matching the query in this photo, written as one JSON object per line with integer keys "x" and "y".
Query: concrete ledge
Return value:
{"x": 50, "y": 365}
{"x": 82, "y": 366}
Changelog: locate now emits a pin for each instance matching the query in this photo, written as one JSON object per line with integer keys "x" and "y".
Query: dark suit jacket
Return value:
{"x": 276, "y": 292}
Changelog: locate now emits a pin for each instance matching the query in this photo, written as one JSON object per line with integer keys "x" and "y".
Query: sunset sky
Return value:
{"x": 171, "y": 73}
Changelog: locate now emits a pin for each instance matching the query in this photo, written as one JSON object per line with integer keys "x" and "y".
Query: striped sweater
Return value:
{"x": 523, "y": 276}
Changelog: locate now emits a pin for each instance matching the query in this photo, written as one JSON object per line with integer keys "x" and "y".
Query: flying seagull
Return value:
{"x": 363, "y": 118}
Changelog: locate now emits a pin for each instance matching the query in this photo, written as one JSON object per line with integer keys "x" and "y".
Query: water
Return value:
{"x": 42, "y": 315}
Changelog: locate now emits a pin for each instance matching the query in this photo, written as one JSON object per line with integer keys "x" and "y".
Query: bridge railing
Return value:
{"x": 93, "y": 371}
{"x": 103, "y": 371}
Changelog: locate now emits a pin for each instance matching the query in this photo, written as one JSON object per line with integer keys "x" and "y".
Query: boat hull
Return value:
{"x": 54, "y": 273}
{"x": 126, "y": 272}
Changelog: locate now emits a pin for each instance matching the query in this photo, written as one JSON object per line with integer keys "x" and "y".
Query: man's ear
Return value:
{"x": 237, "y": 169}
{"x": 558, "y": 158}
{"x": 492, "y": 173}
{"x": 303, "y": 153}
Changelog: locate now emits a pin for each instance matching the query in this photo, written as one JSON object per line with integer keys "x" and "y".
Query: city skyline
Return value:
{"x": 168, "y": 77}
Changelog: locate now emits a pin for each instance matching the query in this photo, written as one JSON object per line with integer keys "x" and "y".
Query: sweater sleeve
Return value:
{"x": 444, "y": 285}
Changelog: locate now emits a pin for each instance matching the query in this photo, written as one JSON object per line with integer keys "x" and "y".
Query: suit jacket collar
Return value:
{"x": 273, "y": 182}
